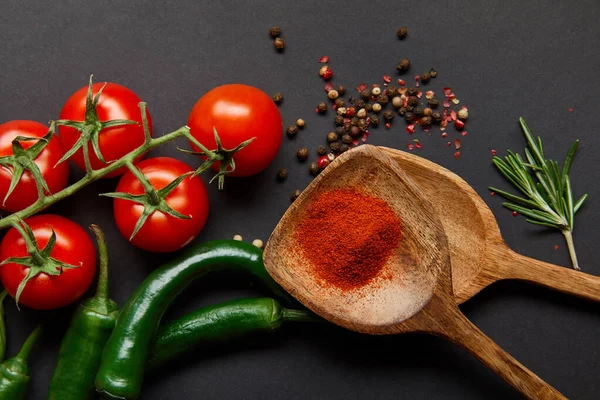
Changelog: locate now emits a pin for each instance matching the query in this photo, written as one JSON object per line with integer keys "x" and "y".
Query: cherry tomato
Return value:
{"x": 116, "y": 102}
{"x": 25, "y": 193}
{"x": 162, "y": 232}
{"x": 239, "y": 112}
{"x": 73, "y": 246}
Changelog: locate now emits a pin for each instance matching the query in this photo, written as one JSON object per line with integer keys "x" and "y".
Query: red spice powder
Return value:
{"x": 347, "y": 237}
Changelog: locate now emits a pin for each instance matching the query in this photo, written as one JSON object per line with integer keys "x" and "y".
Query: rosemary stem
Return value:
{"x": 568, "y": 234}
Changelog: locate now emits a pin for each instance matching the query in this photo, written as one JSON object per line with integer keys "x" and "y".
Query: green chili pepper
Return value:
{"x": 218, "y": 323}
{"x": 14, "y": 372}
{"x": 123, "y": 362}
{"x": 2, "y": 327}
{"x": 81, "y": 348}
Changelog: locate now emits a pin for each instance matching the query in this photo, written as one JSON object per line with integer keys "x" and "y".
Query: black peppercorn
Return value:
{"x": 295, "y": 195}
{"x": 339, "y": 120}
{"x": 402, "y": 32}
{"x": 413, "y": 91}
{"x": 388, "y": 115}
{"x": 322, "y": 107}
{"x": 354, "y": 121}
{"x": 363, "y": 124}
{"x": 332, "y": 137}
{"x": 339, "y": 103}
{"x": 321, "y": 150}
{"x": 352, "y": 100}
{"x": 413, "y": 101}
{"x": 433, "y": 103}
{"x": 344, "y": 148}
{"x": 425, "y": 77}
{"x": 426, "y": 121}
{"x": 409, "y": 108}
{"x": 402, "y": 111}
{"x": 382, "y": 99}
{"x": 408, "y": 117}
{"x": 340, "y": 131}
{"x": 279, "y": 44}
{"x": 282, "y": 174}
{"x": 390, "y": 91}
{"x": 418, "y": 111}
{"x": 365, "y": 94}
{"x": 292, "y": 131}
{"x": 335, "y": 147}
{"x": 403, "y": 65}
{"x": 354, "y": 131}
{"x": 360, "y": 104}
{"x": 347, "y": 126}
{"x": 433, "y": 73}
{"x": 278, "y": 98}
{"x": 314, "y": 168}
{"x": 346, "y": 139}
{"x": 437, "y": 116}
{"x": 342, "y": 90}
{"x": 368, "y": 106}
{"x": 275, "y": 32}
{"x": 374, "y": 120}
{"x": 427, "y": 112}
{"x": 302, "y": 153}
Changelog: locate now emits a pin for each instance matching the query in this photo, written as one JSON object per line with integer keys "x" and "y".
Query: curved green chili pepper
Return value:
{"x": 2, "y": 327}
{"x": 14, "y": 372}
{"x": 81, "y": 348}
{"x": 123, "y": 362}
{"x": 220, "y": 323}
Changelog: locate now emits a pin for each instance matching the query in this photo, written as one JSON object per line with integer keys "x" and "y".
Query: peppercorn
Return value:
{"x": 390, "y": 91}
{"x": 418, "y": 111}
{"x": 402, "y": 32}
{"x": 360, "y": 104}
{"x": 347, "y": 126}
{"x": 408, "y": 117}
{"x": 413, "y": 91}
{"x": 258, "y": 243}
{"x": 462, "y": 114}
{"x": 332, "y": 137}
{"x": 413, "y": 101}
{"x": 352, "y": 100}
{"x": 346, "y": 139}
{"x": 354, "y": 121}
{"x": 376, "y": 107}
{"x": 339, "y": 103}
{"x": 300, "y": 122}
{"x": 433, "y": 73}
{"x": 363, "y": 124}
{"x": 344, "y": 148}
{"x": 437, "y": 116}
{"x": 409, "y": 108}
{"x": 342, "y": 90}
{"x": 340, "y": 131}
{"x": 433, "y": 103}
{"x": 339, "y": 120}
{"x": 354, "y": 131}
{"x": 361, "y": 113}
{"x": 302, "y": 154}
{"x": 278, "y": 98}
{"x": 425, "y": 77}
{"x": 275, "y": 32}
{"x": 295, "y": 195}
{"x": 368, "y": 107}
{"x": 322, "y": 107}
{"x": 403, "y": 65}
{"x": 427, "y": 112}
{"x": 397, "y": 102}
{"x": 282, "y": 174}
{"x": 335, "y": 147}
{"x": 426, "y": 121}
{"x": 325, "y": 72}
{"x": 333, "y": 94}
{"x": 313, "y": 168}
{"x": 388, "y": 115}
{"x": 402, "y": 111}
{"x": 321, "y": 150}
{"x": 382, "y": 99}
{"x": 350, "y": 112}
{"x": 292, "y": 131}
{"x": 365, "y": 94}
{"x": 374, "y": 120}
{"x": 279, "y": 44}
{"x": 376, "y": 91}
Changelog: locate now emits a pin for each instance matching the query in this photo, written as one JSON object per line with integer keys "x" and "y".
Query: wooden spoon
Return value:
{"x": 478, "y": 254}
{"x": 416, "y": 293}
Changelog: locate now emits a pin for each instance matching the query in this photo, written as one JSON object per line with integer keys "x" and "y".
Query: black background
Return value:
{"x": 503, "y": 59}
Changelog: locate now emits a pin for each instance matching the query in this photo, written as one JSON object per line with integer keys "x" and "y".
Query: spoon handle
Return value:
{"x": 454, "y": 326}
{"x": 512, "y": 265}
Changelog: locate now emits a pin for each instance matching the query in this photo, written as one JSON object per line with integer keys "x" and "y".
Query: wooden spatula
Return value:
{"x": 413, "y": 292}
{"x": 478, "y": 254}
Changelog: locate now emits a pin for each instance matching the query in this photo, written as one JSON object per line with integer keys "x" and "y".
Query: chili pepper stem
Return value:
{"x": 298, "y": 315}
{"x": 29, "y": 343}
{"x": 103, "y": 275}
{"x": 568, "y": 234}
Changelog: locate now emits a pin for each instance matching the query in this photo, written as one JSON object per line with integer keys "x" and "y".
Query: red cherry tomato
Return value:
{"x": 116, "y": 102}
{"x": 239, "y": 113}
{"x": 25, "y": 193}
{"x": 73, "y": 246}
{"x": 162, "y": 232}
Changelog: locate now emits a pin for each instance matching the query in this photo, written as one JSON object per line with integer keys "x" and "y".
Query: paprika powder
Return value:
{"x": 348, "y": 236}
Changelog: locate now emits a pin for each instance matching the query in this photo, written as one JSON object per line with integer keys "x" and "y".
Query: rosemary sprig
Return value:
{"x": 548, "y": 198}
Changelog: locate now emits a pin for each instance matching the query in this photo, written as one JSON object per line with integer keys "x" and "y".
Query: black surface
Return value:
{"x": 503, "y": 59}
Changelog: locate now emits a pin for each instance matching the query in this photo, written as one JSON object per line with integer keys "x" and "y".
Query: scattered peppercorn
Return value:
{"x": 323, "y": 162}
{"x": 302, "y": 154}
{"x": 419, "y": 111}
{"x": 388, "y": 115}
{"x": 346, "y": 139}
{"x": 258, "y": 243}
{"x": 360, "y": 104}
{"x": 354, "y": 121}
{"x": 342, "y": 90}
{"x": 426, "y": 121}
{"x": 361, "y": 113}
{"x": 339, "y": 103}
{"x": 365, "y": 94}
{"x": 433, "y": 103}
{"x": 292, "y": 131}
{"x": 313, "y": 168}
{"x": 376, "y": 91}
{"x": 332, "y": 137}
{"x": 339, "y": 120}
{"x": 335, "y": 147}
{"x": 275, "y": 32}
{"x": 413, "y": 91}
{"x": 295, "y": 195}
{"x": 350, "y": 112}
{"x": 462, "y": 114}
{"x": 325, "y": 72}
{"x": 300, "y": 122}
{"x": 322, "y": 107}
{"x": 333, "y": 94}
{"x": 397, "y": 102}
{"x": 354, "y": 131}
{"x": 427, "y": 112}
{"x": 321, "y": 150}
{"x": 402, "y": 32}
{"x": 413, "y": 101}
{"x": 402, "y": 111}
{"x": 376, "y": 107}
{"x": 368, "y": 106}
{"x": 403, "y": 65}
{"x": 363, "y": 124}
{"x": 408, "y": 117}
{"x": 340, "y": 131}
{"x": 433, "y": 73}
{"x": 344, "y": 148}
{"x": 282, "y": 174}
{"x": 436, "y": 116}
{"x": 279, "y": 44}
{"x": 374, "y": 120}
{"x": 278, "y": 98}
{"x": 390, "y": 91}
{"x": 425, "y": 77}
{"x": 382, "y": 99}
